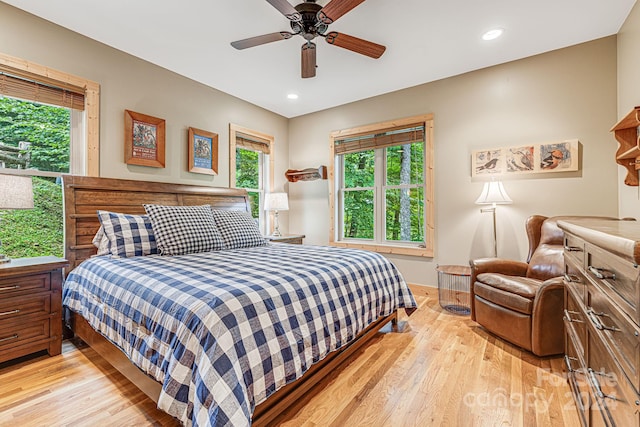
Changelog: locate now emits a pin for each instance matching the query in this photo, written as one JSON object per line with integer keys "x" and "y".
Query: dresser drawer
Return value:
{"x": 617, "y": 401}
{"x": 574, "y": 279}
{"x": 25, "y": 284}
{"x": 577, "y": 378}
{"x": 617, "y": 278}
{"x": 24, "y": 305}
{"x": 614, "y": 327}
{"x": 574, "y": 249}
{"x": 15, "y": 334}
{"x": 575, "y": 321}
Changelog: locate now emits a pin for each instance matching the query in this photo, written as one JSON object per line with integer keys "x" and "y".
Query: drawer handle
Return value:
{"x": 595, "y": 319}
{"x": 568, "y": 318}
{"x": 601, "y": 273}
{"x": 573, "y": 248}
{"x": 12, "y": 337}
{"x": 6, "y": 313}
{"x": 9, "y": 288}
{"x": 567, "y": 361}
{"x": 572, "y": 278}
{"x": 596, "y": 384}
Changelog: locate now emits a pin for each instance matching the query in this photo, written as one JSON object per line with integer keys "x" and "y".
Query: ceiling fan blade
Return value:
{"x": 258, "y": 40}
{"x": 308, "y": 60}
{"x": 335, "y": 9}
{"x": 286, "y": 9}
{"x": 355, "y": 44}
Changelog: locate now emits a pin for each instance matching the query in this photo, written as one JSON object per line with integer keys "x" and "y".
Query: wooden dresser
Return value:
{"x": 31, "y": 306}
{"x": 602, "y": 318}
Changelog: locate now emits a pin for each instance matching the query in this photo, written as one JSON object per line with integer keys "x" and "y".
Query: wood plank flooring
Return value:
{"x": 441, "y": 370}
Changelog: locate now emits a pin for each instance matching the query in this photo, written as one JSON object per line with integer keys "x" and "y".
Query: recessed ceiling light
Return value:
{"x": 292, "y": 96}
{"x": 492, "y": 34}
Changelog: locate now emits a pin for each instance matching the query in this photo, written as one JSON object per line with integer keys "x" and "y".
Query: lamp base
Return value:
{"x": 276, "y": 228}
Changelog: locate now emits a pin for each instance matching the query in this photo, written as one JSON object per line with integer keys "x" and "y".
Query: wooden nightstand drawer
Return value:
{"x": 294, "y": 239}
{"x": 31, "y": 306}
{"x": 11, "y": 308}
{"x": 25, "y": 284}
{"x": 17, "y": 334}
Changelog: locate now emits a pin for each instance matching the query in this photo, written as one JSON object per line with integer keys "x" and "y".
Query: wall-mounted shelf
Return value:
{"x": 627, "y": 132}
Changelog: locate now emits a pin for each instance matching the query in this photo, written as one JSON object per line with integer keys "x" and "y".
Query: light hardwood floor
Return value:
{"x": 442, "y": 370}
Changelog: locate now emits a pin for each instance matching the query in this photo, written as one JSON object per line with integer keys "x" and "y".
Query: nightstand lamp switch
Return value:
{"x": 276, "y": 202}
{"x": 16, "y": 192}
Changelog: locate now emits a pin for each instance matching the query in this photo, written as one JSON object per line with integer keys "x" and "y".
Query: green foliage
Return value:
{"x": 248, "y": 176}
{"x": 47, "y": 128}
{"x": 38, "y": 231}
{"x": 404, "y": 207}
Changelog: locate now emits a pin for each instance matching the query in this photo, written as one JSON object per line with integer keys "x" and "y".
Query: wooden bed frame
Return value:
{"x": 83, "y": 196}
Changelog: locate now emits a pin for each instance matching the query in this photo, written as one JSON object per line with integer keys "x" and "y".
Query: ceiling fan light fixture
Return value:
{"x": 493, "y": 34}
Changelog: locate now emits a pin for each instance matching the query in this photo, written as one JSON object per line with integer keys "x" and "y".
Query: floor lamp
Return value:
{"x": 493, "y": 193}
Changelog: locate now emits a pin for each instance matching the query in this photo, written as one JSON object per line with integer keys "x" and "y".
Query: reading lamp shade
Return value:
{"x": 16, "y": 192}
{"x": 493, "y": 193}
{"x": 276, "y": 202}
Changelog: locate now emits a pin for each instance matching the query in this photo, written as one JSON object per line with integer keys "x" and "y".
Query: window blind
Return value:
{"x": 30, "y": 89}
{"x": 387, "y": 138}
{"x": 253, "y": 143}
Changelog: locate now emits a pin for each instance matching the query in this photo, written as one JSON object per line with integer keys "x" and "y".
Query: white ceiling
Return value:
{"x": 426, "y": 40}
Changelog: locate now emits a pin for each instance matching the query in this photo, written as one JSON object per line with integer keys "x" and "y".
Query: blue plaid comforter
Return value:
{"x": 224, "y": 330}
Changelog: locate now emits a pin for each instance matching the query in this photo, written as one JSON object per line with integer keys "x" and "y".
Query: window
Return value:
{"x": 251, "y": 167}
{"x": 48, "y": 126}
{"x": 383, "y": 186}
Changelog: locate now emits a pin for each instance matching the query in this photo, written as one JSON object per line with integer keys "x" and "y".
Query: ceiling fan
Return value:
{"x": 311, "y": 20}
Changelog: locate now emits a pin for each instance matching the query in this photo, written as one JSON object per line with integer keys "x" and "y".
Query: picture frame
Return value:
{"x": 144, "y": 140}
{"x": 203, "y": 151}
{"x": 530, "y": 159}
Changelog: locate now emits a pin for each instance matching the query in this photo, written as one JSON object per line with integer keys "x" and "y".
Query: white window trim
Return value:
{"x": 336, "y": 195}
{"x": 266, "y": 170}
{"x": 91, "y": 122}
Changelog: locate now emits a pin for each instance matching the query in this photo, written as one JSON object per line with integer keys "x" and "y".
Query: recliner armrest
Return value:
{"x": 498, "y": 265}
{"x": 493, "y": 265}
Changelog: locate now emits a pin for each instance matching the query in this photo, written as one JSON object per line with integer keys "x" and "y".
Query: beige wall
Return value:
{"x": 129, "y": 83}
{"x": 565, "y": 94}
{"x": 570, "y": 93}
{"x": 628, "y": 97}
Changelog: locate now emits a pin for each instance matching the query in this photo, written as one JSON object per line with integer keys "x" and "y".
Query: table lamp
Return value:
{"x": 16, "y": 192}
{"x": 493, "y": 193}
{"x": 276, "y": 202}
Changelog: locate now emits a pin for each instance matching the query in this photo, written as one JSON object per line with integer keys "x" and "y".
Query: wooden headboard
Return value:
{"x": 84, "y": 196}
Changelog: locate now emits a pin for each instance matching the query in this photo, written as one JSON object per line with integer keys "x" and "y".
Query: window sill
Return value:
{"x": 386, "y": 249}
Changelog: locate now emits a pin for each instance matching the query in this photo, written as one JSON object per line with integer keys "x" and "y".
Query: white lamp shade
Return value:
{"x": 16, "y": 192}
{"x": 493, "y": 192}
{"x": 276, "y": 202}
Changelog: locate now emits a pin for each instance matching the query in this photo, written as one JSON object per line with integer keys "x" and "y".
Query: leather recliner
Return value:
{"x": 523, "y": 302}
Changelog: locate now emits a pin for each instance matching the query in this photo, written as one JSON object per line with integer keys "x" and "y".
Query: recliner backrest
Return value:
{"x": 547, "y": 259}
{"x": 546, "y": 245}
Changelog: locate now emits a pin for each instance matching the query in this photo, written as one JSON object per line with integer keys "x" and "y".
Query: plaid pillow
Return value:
{"x": 129, "y": 235}
{"x": 238, "y": 229}
{"x": 184, "y": 229}
{"x": 101, "y": 241}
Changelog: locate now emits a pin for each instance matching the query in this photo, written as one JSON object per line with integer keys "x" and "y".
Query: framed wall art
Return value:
{"x": 526, "y": 159}
{"x": 203, "y": 151}
{"x": 144, "y": 140}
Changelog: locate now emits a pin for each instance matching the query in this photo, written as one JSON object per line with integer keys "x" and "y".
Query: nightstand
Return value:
{"x": 295, "y": 239}
{"x": 31, "y": 306}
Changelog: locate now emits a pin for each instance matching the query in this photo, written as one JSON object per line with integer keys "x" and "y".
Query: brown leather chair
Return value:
{"x": 522, "y": 302}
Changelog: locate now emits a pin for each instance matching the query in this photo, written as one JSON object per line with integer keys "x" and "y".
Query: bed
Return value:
{"x": 234, "y": 335}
